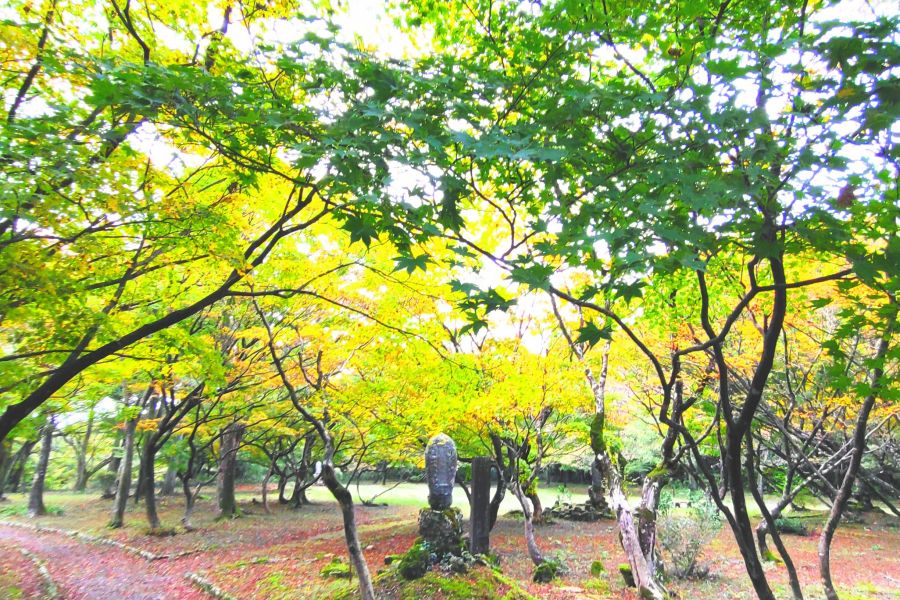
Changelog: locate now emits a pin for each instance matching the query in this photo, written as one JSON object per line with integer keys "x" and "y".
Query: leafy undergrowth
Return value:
{"x": 282, "y": 555}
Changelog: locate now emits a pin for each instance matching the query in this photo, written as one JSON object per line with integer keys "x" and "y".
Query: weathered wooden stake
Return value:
{"x": 479, "y": 519}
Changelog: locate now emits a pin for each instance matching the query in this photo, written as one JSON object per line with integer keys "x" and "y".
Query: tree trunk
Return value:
{"x": 351, "y": 536}
{"x": 113, "y": 468}
{"x": 537, "y": 508}
{"x": 81, "y": 456}
{"x": 859, "y": 447}
{"x": 17, "y": 465}
{"x": 743, "y": 530}
{"x": 265, "y": 490}
{"x": 123, "y": 485}
{"x": 282, "y": 485}
{"x": 534, "y": 552}
{"x": 496, "y": 499}
{"x": 228, "y": 449}
{"x": 36, "y": 506}
{"x": 147, "y": 483}
{"x": 169, "y": 480}
{"x": 190, "y": 499}
{"x": 642, "y": 569}
{"x": 5, "y": 464}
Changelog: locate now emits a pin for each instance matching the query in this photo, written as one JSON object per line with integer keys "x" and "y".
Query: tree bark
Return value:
{"x": 81, "y": 456}
{"x": 351, "y": 535}
{"x": 123, "y": 485}
{"x": 265, "y": 490}
{"x": 228, "y": 449}
{"x": 36, "y": 506}
{"x": 169, "y": 480}
{"x": 859, "y": 446}
{"x": 5, "y": 464}
{"x": 642, "y": 569}
{"x": 148, "y": 485}
{"x": 537, "y": 508}
{"x": 17, "y": 465}
{"x": 534, "y": 551}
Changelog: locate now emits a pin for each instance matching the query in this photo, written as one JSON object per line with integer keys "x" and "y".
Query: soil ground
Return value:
{"x": 280, "y": 555}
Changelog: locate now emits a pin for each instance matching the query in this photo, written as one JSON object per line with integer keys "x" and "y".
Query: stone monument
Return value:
{"x": 440, "y": 525}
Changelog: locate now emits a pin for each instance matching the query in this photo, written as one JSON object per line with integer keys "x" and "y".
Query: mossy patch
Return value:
{"x": 480, "y": 582}
{"x": 415, "y": 563}
{"x": 336, "y": 569}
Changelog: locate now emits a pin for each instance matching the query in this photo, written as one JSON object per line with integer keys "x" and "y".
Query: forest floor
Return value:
{"x": 280, "y": 555}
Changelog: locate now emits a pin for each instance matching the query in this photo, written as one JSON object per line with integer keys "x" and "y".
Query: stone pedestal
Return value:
{"x": 441, "y": 530}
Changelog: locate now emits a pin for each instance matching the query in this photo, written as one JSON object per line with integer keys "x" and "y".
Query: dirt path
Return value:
{"x": 82, "y": 570}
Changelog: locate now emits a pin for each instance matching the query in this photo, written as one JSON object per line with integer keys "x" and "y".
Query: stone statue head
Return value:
{"x": 440, "y": 468}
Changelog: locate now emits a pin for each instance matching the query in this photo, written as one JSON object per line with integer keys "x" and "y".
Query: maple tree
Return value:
{"x": 230, "y": 235}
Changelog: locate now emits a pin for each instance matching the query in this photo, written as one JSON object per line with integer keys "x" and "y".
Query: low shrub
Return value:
{"x": 683, "y": 535}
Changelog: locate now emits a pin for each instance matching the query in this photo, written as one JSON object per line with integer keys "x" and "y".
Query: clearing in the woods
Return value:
{"x": 281, "y": 555}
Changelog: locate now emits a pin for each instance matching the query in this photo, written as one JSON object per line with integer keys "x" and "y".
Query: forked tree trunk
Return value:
{"x": 123, "y": 485}
{"x": 642, "y": 567}
{"x": 36, "y": 506}
{"x": 17, "y": 465}
{"x": 228, "y": 449}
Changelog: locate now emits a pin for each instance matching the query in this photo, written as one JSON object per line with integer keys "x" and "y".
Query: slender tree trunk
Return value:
{"x": 81, "y": 456}
{"x": 123, "y": 485}
{"x": 190, "y": 499}
{"x": 534, "y": 551}
{"x": 859, "y": 446}
{"x": 265, "y": 490}
{"x": 229, "y": 445}
{"x": 36, "y": 506}
{"x": 282, "y": 485}
{"x": 351, "y": 536}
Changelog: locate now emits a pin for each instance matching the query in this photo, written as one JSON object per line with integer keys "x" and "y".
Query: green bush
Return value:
{"x": 683, "y": 535}
{"x": 791, "y": 525}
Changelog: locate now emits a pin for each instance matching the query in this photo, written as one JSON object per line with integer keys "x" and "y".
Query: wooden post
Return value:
{"x": 479, "y": 519}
